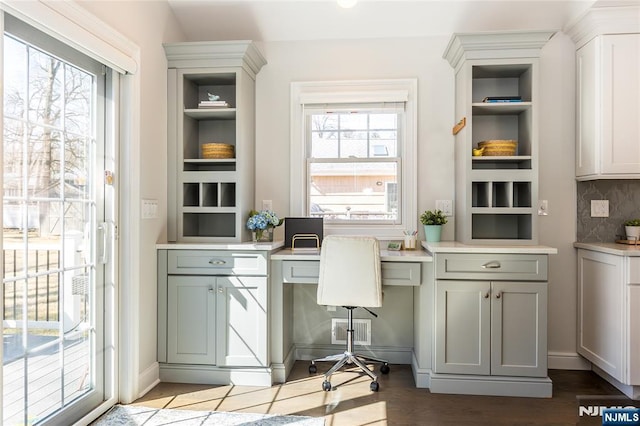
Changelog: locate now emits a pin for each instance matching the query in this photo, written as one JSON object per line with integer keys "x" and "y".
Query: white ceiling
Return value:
{"x": 269, "y": 20}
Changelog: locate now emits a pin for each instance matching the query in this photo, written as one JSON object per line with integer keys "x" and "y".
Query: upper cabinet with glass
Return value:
{"x": 211, "y": 139}
{"x": 497, "y": 135}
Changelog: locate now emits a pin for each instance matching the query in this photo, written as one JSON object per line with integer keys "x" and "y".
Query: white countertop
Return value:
{"x": 456, "y": 247}
{"x": 385, "y": 255}
{"x": 249, "y": 245}
{"x": 611, "y": 248}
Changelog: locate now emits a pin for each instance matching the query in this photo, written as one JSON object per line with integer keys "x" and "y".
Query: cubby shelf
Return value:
{"x": 495, "y": 195}
{"x": 210, "y": 199}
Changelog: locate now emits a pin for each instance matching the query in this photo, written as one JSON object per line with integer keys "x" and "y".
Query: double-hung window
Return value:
{"x": 353, "y": 155}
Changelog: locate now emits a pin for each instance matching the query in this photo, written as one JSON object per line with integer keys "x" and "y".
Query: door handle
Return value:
{"x": 102, "y": 238}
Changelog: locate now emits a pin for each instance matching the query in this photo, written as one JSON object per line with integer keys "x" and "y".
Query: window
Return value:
{"x": 353, "y": 155}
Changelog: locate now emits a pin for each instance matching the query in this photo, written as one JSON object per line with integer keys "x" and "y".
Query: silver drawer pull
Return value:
{"x": 217, "y": 262}
{"x": 491, "y": 265}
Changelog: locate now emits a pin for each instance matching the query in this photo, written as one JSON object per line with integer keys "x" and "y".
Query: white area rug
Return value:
{"x": 135, "y": 415}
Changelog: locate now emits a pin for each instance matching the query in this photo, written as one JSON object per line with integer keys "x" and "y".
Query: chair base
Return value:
{"x": 348, "y": 357}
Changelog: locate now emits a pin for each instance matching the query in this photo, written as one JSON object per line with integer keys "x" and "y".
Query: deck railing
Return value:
{"x": 42, "y": 266}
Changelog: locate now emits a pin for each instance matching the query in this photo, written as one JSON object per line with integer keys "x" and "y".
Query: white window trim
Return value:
{"x": 357, "y": 91}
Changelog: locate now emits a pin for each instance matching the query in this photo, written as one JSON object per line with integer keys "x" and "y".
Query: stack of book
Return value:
{"x": 492, "y": 99}
{"x": 213, "y": 104}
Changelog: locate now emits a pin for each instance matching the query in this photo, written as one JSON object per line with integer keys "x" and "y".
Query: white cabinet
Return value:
{"x": 496, "y": 195}
{"x": 608, "y": 320}
{"x": 608, "y": 107}
{"x": 210, "y": 195}
{"x": 491, "y": 328}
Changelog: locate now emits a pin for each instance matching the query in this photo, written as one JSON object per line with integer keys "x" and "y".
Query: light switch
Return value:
{"x": 599, "y": 208}
{"x": 445, "y": 206}
{"x": 149, "y": 209}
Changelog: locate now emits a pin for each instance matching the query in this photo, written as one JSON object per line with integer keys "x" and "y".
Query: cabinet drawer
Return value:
{"x": 214, "y": 262}
{"x": 393, "y": 273}
{"x": 514, "y": 267}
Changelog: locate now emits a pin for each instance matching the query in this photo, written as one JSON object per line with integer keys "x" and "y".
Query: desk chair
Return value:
{"x": 350, "y": 277}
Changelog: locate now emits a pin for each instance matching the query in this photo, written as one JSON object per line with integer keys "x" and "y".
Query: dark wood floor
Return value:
{"x": 398, "y": 402}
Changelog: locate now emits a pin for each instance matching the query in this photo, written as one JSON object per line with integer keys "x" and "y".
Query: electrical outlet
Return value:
{"x": 543, "y": 208}
{"x": 267, "y": 205}
{"x": 445, "y": 206}
{"x": 599, "y": 208}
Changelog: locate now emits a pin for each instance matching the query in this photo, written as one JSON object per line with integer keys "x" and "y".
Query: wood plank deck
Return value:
{"x": 47, "y": 371}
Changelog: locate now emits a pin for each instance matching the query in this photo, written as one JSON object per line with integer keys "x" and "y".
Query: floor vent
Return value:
{"x": 361, "y": 334}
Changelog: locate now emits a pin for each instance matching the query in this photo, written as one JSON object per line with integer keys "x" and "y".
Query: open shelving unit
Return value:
{"x": 496, "y": 196}
{"x": 210, "y": 198}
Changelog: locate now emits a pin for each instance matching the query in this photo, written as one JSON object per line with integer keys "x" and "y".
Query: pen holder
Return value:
{"x": 410, "y": 242}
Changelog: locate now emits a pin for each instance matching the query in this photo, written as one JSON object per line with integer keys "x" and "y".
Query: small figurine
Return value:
{"x": 213, "y": 97}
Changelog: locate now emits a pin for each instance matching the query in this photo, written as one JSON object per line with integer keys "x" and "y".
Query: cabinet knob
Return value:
{"x": 494, "y": 264}
{"x": 220, "y": 289}
{"x": 217, "y": 262}
{"x": 486, "y": 296}
{"x": 210, "y": 289}
{"x": 499, "y": 295}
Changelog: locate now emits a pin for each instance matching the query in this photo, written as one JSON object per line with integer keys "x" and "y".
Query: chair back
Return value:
{"x": 350, "y": 272}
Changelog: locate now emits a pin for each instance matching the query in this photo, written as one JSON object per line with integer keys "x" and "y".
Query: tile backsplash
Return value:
{"x": 624, "y": 204}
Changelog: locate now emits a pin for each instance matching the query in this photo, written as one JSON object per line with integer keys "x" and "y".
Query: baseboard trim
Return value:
{"x": 567, "y": 361}
{"x": 422, "y": 376}
{"x": 532, "y": 387}
{"x": 148, "y": 379}
{"x": 212, "y": 375}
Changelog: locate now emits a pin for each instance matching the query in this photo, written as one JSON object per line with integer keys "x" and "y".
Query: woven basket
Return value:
{"x": 498, "y": 147}
{"x": 217, "y": 151}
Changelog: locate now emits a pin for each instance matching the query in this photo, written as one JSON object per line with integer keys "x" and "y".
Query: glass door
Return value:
{"x": 57, "y": 229}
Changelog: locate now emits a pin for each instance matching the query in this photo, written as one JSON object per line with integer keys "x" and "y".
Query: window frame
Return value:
{"x": 305, "y": 95}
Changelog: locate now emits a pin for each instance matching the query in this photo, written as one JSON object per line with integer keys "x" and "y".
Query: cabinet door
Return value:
{"x": 587, "y": 104}
{"x": 242, "y": 321}
{"x": 462, "y": 327}
{"x": 621, "y": 104}
{"x": 191, "y": 320}
{"x": 519, "y": 329}
{"x": 601, "y": 310}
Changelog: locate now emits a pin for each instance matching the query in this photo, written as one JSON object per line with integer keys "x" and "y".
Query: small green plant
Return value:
{"x": 632, "y": 222}
{"x": 433, "y": 217}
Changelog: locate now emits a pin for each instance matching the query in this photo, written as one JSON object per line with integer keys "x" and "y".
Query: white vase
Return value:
{"x": 632, "y": 232}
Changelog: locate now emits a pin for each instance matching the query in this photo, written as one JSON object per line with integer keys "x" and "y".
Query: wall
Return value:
{"x": 422, "y": 58}
{"x": 624, "y": 204}
{"x": 147, "y": 24}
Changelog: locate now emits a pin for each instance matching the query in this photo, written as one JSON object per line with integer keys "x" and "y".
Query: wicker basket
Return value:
{"x": 498, "y": 147}
{"x": 217, "y": 151}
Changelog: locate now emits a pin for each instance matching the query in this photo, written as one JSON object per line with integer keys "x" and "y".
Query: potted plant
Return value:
{"x": 262, "y": 223}
{"x": 632, "y": 229}
{"x": 433, "y": 221}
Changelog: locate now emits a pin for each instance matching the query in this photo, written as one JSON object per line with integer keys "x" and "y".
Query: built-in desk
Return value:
{"x": 407, "y": 278}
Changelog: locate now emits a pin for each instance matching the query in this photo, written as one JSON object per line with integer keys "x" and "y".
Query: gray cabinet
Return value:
{"x": 490, "y": 332}
{"x": 497, "y": 194}
{"x": 212, "y": 316}
{"x": 191, "y": 320}
{"x": 210, "y": 195}
{"x": 491, "y": 328}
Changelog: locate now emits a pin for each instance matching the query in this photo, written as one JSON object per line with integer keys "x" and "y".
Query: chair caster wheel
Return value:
{"x": 384, "y": 368}
{"x": 374, "y": 386}
{"x": 326, "y": 386}
{"x": 313, "y": 369}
